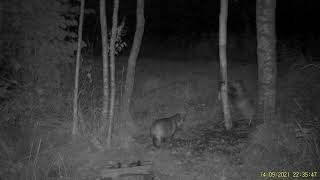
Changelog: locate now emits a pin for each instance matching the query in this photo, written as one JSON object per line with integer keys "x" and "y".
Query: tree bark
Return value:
{"x": 75, "y": 128}
{"x": 125, "y": 102}
{"x": 112, "y": 69}
{"x": 223, "y": 62}
{"x": 130, "y": 171}
{"x": 267, "y": 67}
{"x": 105, "y": 62}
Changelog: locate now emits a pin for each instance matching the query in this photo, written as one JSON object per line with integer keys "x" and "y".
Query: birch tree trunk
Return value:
{"x": 112, "y": 69}
{"x": 125, "y": 102}
{"x": 223, "y": 62}
{"x": 267, "y": 67}
{"x": 75, "y": 127}
{"x": 105, "y": 64}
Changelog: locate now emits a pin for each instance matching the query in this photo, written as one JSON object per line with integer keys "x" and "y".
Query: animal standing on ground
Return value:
{"x": 163, "y": 129}
{"x": 240, "y": 100}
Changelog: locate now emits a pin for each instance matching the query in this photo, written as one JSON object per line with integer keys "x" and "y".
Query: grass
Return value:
{"x": 165, "y": 84}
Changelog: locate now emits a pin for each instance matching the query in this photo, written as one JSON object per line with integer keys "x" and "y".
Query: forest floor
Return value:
{"x": 202, "y": 149}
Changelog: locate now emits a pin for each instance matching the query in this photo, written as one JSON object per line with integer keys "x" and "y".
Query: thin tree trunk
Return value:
{"x": 112, "y": 68}
{"x": 75, "y": 128}
{"x": 266, "y": 51}
{"x": 105, "y": 62}
{"x": 125, "y": 103}
{"x": 223, "y": 62}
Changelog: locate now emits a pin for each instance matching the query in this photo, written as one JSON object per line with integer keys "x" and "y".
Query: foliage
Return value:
{"x": 37, "y": 42}
{"x": 39, "y": 38}
{"x": 121, "y": 32}
{"x": 37, "y": 47}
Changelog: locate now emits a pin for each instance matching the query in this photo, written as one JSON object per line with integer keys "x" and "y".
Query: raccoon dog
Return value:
{"x": 240, "y": 100}
{"x": 165, "y": 128}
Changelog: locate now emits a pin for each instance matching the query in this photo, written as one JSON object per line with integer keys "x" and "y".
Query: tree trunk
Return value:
{"x": 267, "y": 67}
{"x": 105, "y": 62}
{"x": 112, "y": 68}
{"x": 223, "y": 62}
{"x": 125, "y": 102}
{"x": 75, "y": 128}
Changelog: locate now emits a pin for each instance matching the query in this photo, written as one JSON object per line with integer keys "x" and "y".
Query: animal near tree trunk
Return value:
{"x": 133, "y": 58}
{"x": 223, "y": 62}
{"x": 75, "y": 125}
{"x": 266, "y": 51}
{"x": 105, "y": 62}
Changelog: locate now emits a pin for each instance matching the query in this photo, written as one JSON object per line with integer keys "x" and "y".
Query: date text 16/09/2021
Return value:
{"x": 294, "y": 174}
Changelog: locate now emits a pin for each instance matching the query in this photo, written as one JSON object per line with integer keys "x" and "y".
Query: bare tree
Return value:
{"x": 75, "y": 127}
{"x": 223, "y": 62}
{"x": 266, "y": 50}
{"x": 105, "y": 62}
{"x": 112, "y": 68}
{"x": 125, "y": 102}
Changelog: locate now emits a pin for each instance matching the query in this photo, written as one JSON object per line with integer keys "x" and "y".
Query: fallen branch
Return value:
{"x": 138, "y": 170}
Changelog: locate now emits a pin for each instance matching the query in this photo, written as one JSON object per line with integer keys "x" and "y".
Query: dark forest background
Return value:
{"x": 177, "y": 67}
